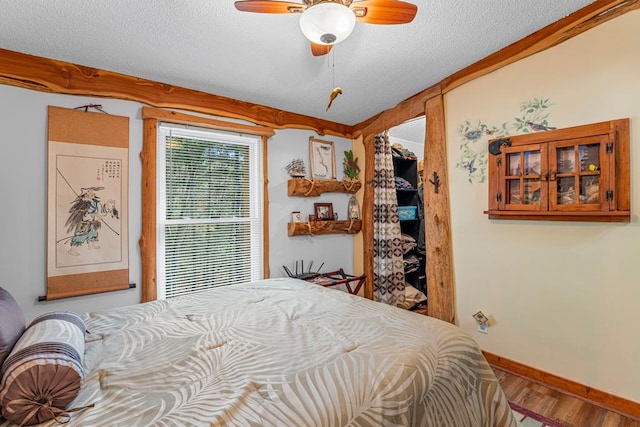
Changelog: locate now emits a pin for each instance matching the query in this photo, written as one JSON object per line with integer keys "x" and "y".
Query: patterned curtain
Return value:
{"x": 388, "y": 267}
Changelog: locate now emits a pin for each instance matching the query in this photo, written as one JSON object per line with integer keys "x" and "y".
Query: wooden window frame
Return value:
{"x": 151, "y": 118}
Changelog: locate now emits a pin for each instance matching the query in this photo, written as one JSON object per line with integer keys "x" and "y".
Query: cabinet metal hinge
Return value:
{"x": 498, "y": 197}
{"x": 499, "y": 160}
{"x": 609, "y": 195}
{"x": 609, "y": 147}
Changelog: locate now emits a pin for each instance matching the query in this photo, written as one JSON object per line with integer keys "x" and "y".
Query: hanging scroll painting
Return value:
{"x": 87, "y": 203}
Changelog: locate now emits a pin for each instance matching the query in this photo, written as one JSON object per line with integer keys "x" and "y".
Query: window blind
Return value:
{"x": 209, "y": 209}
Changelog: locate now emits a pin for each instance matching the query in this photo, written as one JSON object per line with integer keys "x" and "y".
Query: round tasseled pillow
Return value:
{"x": 43, "y": 374}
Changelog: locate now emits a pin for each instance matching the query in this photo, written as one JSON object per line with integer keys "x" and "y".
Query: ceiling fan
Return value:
{"x": 327, "y": 22}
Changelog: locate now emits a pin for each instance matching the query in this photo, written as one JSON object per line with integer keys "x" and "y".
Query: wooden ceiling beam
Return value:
{"x": 406, "y": 110}
{"x": 570, "y": 26}
{"x": 576, "y": 23}
{"x": 49, "y": 75}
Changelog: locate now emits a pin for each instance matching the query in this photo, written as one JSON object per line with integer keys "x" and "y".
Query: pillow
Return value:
{"x": 12, "y": 321}
{"x": 43, "y": 373}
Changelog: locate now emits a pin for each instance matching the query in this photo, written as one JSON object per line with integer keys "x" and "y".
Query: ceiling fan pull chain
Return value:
{"x": 333, "y": 67}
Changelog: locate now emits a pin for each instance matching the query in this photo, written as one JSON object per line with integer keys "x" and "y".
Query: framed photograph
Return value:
{"x": 322, "y": 159}
{"x": 323, "y": 211}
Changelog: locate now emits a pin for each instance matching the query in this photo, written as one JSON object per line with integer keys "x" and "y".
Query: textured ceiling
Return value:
{"x": 264, "y": 59}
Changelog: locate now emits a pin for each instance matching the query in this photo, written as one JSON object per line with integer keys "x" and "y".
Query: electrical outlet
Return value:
{"x": 483, "y": 328}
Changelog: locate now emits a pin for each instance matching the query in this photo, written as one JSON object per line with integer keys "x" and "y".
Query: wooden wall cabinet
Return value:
{"x": 574, "y": 174}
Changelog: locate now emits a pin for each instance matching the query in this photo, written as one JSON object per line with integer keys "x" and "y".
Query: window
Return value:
{"x": 209, "y": 209}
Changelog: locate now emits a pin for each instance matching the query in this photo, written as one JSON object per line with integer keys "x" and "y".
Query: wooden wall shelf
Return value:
{"x": 303, "y": 187}
{"x": 324, "y": 227}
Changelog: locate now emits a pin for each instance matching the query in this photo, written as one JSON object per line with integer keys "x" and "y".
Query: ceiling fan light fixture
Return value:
{"x": 327, "y": 23}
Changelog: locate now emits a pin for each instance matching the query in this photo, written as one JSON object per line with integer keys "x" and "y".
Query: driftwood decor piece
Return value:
{"x": 304, "y": 187}
{"x": 50, "y": 75}
{"x": 324, "y": 227}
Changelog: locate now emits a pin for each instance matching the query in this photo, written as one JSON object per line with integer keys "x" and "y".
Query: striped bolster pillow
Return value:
{"x": 43, "y": 373}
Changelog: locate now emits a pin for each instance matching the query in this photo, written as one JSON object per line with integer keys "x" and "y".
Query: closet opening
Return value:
{"x": 407, "y": 149}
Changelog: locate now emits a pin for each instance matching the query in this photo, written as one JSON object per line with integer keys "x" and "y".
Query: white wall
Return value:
{"x": 563, "y": 296}
{"x": 23, "y": 216}
{"x": 334, "y": 250}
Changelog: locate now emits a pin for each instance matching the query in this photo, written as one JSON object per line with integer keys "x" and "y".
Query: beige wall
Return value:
{"x": 564, "y": 297}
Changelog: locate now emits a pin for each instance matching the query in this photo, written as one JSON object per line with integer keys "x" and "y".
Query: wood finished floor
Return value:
{"x": 565, "y": 409}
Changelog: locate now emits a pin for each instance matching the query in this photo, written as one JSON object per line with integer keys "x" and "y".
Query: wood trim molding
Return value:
{"x": 597, "y": 397}
{"x": 187, "y": 119}
{"x": 367, "y": 214}
{"x": 406, "y": 110}
{"x": 570, "y": 26}
{"x": 266, "y": 268}
{"x": 49, "y": 75}
{"x": 147, "y": 240}
{"x": 437, "y": 215}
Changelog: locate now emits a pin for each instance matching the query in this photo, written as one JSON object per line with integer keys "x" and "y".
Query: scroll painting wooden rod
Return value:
{"x": 42, "y": 298}
{"x": 94, "y": 106}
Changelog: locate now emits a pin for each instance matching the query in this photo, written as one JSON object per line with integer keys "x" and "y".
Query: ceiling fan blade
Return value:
{"x": 268, "y": 6}
{"x": 320, "y": 49}
{"x": 384, "y": 12}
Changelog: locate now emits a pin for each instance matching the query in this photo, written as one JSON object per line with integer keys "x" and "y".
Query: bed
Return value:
{"x": 281, "y": 352}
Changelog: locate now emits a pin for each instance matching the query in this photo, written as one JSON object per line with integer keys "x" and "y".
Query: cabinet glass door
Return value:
{"x": 577, "y": 183}
{"x": 523, "y": 179}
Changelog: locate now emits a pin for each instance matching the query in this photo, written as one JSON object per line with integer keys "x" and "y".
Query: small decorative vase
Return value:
{"x": 353, "y": 209}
